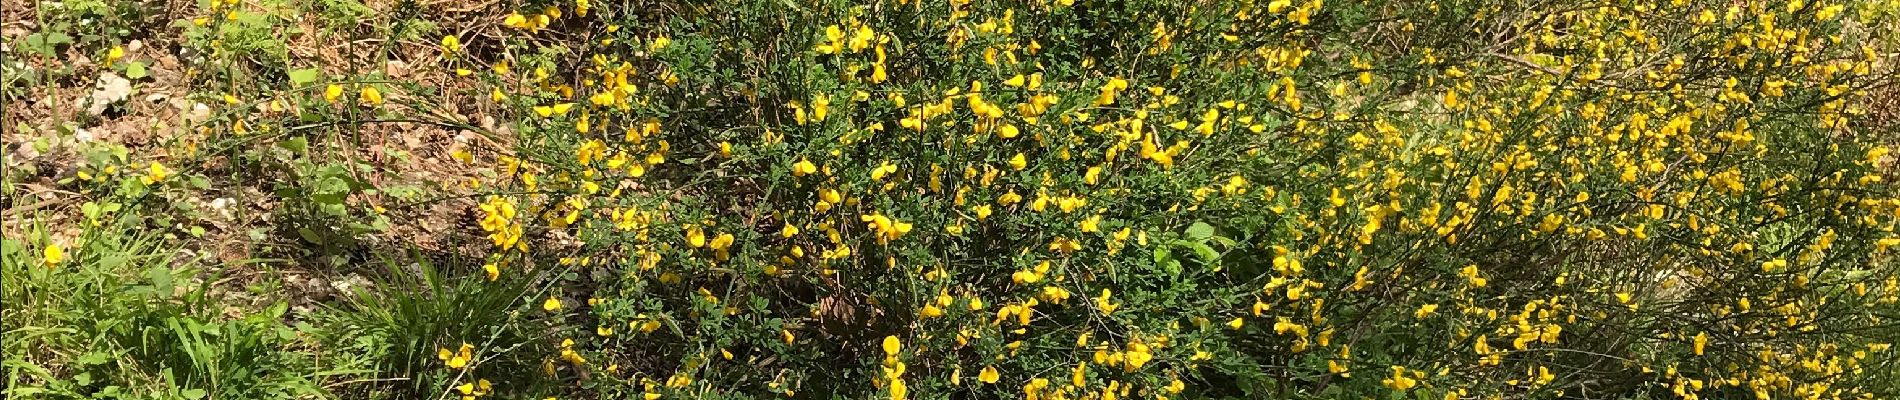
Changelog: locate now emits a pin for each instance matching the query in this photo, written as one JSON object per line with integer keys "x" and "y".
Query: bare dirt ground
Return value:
{"x": 161, "y": 120}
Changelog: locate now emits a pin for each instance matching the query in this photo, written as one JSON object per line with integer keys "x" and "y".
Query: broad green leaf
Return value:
{"x": 135, "y": 70}
{"x": 1200, "y": 231}
{"x": 301, "y": 77}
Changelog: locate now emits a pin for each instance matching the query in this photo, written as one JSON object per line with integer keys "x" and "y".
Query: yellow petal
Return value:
{"x": 892, "y": 346}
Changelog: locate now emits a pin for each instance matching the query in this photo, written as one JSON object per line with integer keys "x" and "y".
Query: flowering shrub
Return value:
{"x": 1170, "y": 199}
{"x": 1060, "y": 199}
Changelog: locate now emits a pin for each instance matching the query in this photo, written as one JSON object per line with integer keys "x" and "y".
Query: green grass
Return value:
{"x": 414, "y": 309}
{"x": 126, "y": 316}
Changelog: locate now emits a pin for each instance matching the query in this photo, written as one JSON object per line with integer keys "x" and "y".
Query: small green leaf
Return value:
{"x": 1164, "y": 258}
{"x": 295, "y": 145}
{"x": 309, "y": 235}
{"x": 135, "y": 70}
{"x": 1202, "y": 250}
{"x": 161, "y": 280}
{"x": 301, "y": 77}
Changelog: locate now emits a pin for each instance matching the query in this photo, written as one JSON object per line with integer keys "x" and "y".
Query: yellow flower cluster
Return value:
{"x": 1247, "y": 185}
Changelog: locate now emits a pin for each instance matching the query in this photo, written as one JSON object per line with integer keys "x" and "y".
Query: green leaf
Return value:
{"x": 1202, "y": 250}
{"x": 192, "y": 394}
{"x": 302, "y": 77}
{"x": 161, "y": 280}
{"x": 46, "y": 43}
{"x": 295, "y": 145}
{"x": 135, "y": 70}
{"x": 1164, "y": 259}
{"x": 1200, "y": 231}
{"x": 309, "y": 235}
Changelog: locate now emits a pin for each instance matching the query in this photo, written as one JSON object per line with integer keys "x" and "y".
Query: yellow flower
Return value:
{"x": 898, "y": 390}
{"x": 1054, "y": 294}
{"x": 695, "y": 237}
{"x": 1007, "y": 131}
{"x": 887, "y": 228}
{"x": 156, "y": 173}
{"x": 1399, "y": 380}
{"x": 819, "y": 107}
{"x": 1064, "y": 245}
{"x": 552, "y": 304}
{"x": 1102, "y": 302}
{"x": 1544, "y": 376}
{"x": 54, "y": 254}
{"x": 456, "y": 359}
{"x": 1018, "y": 162}
{"x": 1136, "y": 355}
{"x": 330, "y": 94}
{"x": 370, "y": 95}
{"x": 878, "y": 174}
{"x": 988, "y": 375}
{"x": 1701, "y": 340}
{"x": 804, "y": 167}
{"x": 492, "y": 271}
{"x": 892, "y": 346}
{"x": 554, "y": 110}
{"x": 115, "y": 54}
{"x": 451, "y": 44}
{"x": 518, "y": 21}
